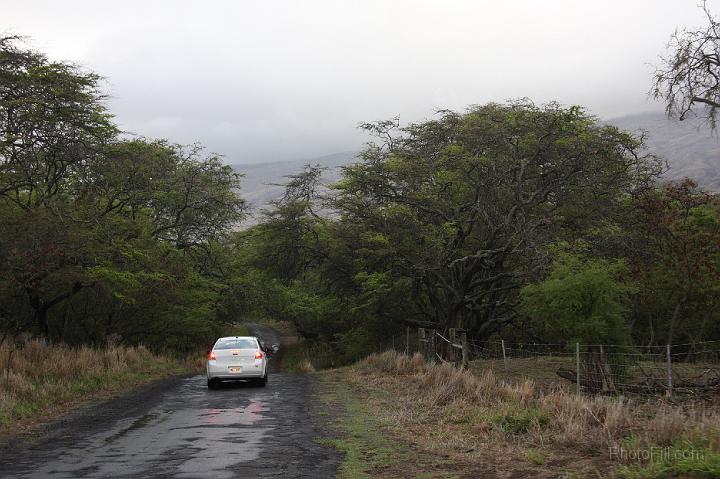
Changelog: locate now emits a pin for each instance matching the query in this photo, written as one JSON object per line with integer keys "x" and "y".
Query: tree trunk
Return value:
{"x": 42, "y": 307}
{"x": 673, "y": 319}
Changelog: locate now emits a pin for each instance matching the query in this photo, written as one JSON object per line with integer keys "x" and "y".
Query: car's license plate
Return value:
{"x": 236, "y": 369}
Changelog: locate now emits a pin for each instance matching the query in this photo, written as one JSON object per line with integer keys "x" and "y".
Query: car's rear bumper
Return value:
{"x": 216, "y": 371}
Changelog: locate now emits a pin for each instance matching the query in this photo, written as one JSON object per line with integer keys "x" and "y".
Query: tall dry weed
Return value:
{"x": 34, "y": 372}
{"x": 574, "y": 420}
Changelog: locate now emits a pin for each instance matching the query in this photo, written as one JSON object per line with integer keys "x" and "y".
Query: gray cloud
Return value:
{"x": 277, "y": 80}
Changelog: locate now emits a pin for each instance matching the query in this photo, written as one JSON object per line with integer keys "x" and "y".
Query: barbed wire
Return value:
{"x": 602, "y": 368}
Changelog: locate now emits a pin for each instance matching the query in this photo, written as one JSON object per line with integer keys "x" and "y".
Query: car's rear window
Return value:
{"x": 236, "y": 344}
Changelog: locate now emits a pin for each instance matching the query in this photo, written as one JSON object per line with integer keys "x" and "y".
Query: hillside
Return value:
{"x": 689, "y": 148}
{"x": 260, "y": 185}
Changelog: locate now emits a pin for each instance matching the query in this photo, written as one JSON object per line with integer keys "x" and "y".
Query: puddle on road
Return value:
{"x": 192, "y": 433}
{"x": 247, "y": 416}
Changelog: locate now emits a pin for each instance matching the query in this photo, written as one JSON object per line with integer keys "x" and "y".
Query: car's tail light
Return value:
{"x": 212, "y": 356}
{"x": 259, "y": 355}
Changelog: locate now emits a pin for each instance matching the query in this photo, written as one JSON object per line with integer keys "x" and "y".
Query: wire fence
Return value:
{"x": 691, "y": 369}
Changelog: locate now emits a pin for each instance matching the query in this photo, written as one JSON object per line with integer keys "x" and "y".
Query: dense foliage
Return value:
{"x": 583, "y": 301}
{"x": 102, "y": 237}
{"x": 507, "y": 220}
{"x": 444, "y": 223}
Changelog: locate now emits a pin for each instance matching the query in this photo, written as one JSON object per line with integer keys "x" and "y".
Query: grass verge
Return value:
{"x": 681, "y": 459}
{"x": 39, "y": 381}
{"x": 473, "y": 425}
{"x": 363, "y": 436}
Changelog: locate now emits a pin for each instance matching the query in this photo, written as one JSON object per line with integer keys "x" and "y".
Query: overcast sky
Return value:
{"x": 278, "y": 80}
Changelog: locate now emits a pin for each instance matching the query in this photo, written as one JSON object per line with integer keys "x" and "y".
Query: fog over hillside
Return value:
{"x": 261, "y": 181}
{"x": 689, "y": 147}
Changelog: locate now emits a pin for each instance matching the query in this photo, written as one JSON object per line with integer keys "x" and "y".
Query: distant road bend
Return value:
{"x": 177, "y": 428}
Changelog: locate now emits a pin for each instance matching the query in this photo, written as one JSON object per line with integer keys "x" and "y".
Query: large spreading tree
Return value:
{"x": 102, "y": 235}
{"x": 467, "y": 202}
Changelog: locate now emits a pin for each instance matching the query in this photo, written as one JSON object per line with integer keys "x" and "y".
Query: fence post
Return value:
{"x": 407, "y": 340}
{"x": 422, "y": 346}
{"x": 577, "y": 365}
{"x": 9, "y": 365}
{"x": 465, "y": 349}
{"x": 433, "y": 350}
{"x": 502, "y": 343}
{"x": 604, "y": 386}
{"x": 669, "y": 372}
{"x": 452, "y": 353}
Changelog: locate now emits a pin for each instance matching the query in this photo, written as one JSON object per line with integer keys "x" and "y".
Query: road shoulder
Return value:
{"x": 360, "y": 425}
{"x": 386, "y": 430}
{"x": 88, "y": 413}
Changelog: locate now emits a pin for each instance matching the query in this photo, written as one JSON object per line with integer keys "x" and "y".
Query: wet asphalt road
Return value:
{"x": 178, "y": 428}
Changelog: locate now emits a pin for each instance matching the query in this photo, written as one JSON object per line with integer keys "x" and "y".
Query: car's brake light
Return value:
{"x": 259, "y": 355}
{"x": 212, "y": 356}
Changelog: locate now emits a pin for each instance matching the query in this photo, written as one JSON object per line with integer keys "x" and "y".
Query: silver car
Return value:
{"x": 236, "y": 358}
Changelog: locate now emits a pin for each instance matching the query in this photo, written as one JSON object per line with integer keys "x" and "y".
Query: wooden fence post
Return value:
{"x": 669, "y": 372}
{"x": 452, "y": 353}
{"x": 407, "y": 340}
{"x": 433, "y": 349}
{"x": 502, "y": 343}
{"x": 577, "y": 365}
{"x": 465, "y": 349}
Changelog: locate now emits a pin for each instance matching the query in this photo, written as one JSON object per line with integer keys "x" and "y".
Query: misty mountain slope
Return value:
{"x": 689, "y": 147}
{"x": 260, "y": 184}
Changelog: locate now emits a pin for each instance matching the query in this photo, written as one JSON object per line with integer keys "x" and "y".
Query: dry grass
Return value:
{"x": 306, "y": 366}
{"x": 515, "y": 425}
{"x": 38, "y": 379}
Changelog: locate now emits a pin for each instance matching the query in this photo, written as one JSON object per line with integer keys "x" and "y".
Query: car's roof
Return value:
{"x": 237, "y": 337}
